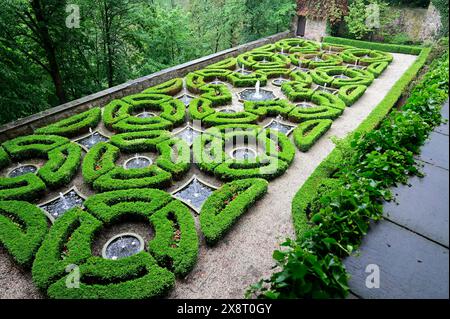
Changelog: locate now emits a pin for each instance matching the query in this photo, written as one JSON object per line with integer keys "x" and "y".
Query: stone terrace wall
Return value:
{"x": 28, "y": 124}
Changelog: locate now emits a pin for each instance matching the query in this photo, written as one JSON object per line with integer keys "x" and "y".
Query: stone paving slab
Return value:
{"x": 410, "y": 265}
{"x": 443, "y": 129}
{"x": 423, "y": 207}
{"x": 437, "y": 151}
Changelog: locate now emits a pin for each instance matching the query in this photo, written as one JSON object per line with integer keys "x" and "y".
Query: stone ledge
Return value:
{"x": 28, "y": 124}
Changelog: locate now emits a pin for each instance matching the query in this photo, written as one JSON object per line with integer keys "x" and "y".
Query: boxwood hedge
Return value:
{"x": 224, "y": 207}
{"x": 74, "y": 125}
{"x": 23, "y": 227}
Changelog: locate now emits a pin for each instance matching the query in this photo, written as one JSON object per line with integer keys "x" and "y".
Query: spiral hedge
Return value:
{"x": 57, "y": 252}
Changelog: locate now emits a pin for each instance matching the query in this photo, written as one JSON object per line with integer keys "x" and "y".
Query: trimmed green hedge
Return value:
{"x": 351, "y": 93}
{"x": 176, "y": 242}
{"x": 308, "y": 60}
{"x": 307, "y": 133}
{"x": 175, "y": 245}
{"x": 393, "y": 48}
{"x": 62, "y": 165}
{"x": 4, "y": 158}
{"x": 139, "y": 141}
{"x": 224, "y": 207}
{"x": 30, "y": 146}
{"x": 210, "y": 156}
{"x": 229, "y": 64}
{"x": 68, "y": 242}
{"x": 26, "y": 187}
{"x": 238, "y": 79}
{"x": 135, "y": 277}
{"x": 98, "y": 161}
{"x": 324, "y": 75}
{"x": 377, "y": 68}
{"x": 221, "y": 118}
{"x": 218, "y": 94}
{"x": 200, "y": 108}
{"x": 171, "y": 87}
{"x": 121, "y": 178}
{"x": 175, "y": 157}
{"x": 305, "y": 195}
{"x": 74, "y": 125}
{"x": 23, "y": 227}
{"x": 269, "y": 108}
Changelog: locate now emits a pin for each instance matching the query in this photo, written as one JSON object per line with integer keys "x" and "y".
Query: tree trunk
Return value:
{"x": 50, "y": 50}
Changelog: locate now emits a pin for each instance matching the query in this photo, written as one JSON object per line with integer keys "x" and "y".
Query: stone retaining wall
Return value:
{"x": 28, "y": 124}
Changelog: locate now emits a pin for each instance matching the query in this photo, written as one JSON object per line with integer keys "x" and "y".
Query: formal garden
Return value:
{"x": 186, "y": 188}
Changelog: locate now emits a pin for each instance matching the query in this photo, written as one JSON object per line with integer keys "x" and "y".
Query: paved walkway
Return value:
{"x": 411, "y": 244}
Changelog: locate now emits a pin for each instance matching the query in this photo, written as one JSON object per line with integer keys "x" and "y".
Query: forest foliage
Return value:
{"x": 48, "y": 56}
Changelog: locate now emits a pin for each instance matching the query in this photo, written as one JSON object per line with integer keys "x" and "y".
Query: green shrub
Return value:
{"x": 139, "y": 141}
{"x": 365, "y": 57}
{"x": 238, "y": 79}
{"x": 4, "y": 158}
{"x": 224, "y": 207}
{"x": 297, "y": 45}
{"x": 30, "y": 146}
{"x": 200, "y": 108}
{"x": 121, "y": 178}
{"x": 111, "y": 207}
{"x": 307, "y": 133}
{"x": 351, "y": 93}
{"x": 136, "y": 124}
{"x": 74, "y": 125}
{"x": 277, "y": 145}
{"x": 377, "y": 68}
{"x": 308, "y": 61}
{"x": 300, "y": 76}
{"x": 220, "y": 118}
{"x": 297, "y": 91}
{"x": 299, "y": 115}
{"x": 218, "y": 94}
{"x": 393, "y": 48}
{"x": 114, "y": 112}
{"x": 303, "y": 275}
{"x": 68, "y": 242}
{"x": 324, "y": 75}
{"x": 23, "y": 227}
{"x": 171, "y": 87}
{"x": 175, "y": 157}
{"x": 269, "y": 108}
{"x": 26, "y": 187}
{"x": 135, "y": 277}
{"x": 194, "y": 82}
{"x": 62, "y": 165}
{"x": 229, "y": 64}
{"x": 176, "y": 242}
{"x": 98, "y": 161}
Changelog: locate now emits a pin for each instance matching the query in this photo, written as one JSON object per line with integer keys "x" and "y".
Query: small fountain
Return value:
{"x": 216, "y": 82}
{"x": 146, "y": 114}
{"x": 257, "y": 94}
{"x": 138, "y": 161}
{"x": 243, "y": 153}
{"x": 305, "y": 105}
{"x": 341, "y": 76}
{"x": 92, "y": 139}
{"x": 185, "y": 97}
{"x": 20, "y": 170}
{"x": 194, "y": 193}
{"x": 122, "y": 246}
{"x": 188, "y": 134}
{"x": 56, "y": 207}
{"x": 279, "y": 81}
{"x": 317, "y": 59}
{"x": 278, "y": 125}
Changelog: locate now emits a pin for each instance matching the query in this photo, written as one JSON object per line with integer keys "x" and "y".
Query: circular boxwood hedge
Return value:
{"x": 297, "y": 45}
{"x": 211, "y": 156}
{"x": 63, "y": 160}
{"x": 365, "y": 56}
{"x": 315, "y": 60}
{"x": 99, "y": 168}
{"x": 118, "y": 115}
{"x": 330, "y": 76}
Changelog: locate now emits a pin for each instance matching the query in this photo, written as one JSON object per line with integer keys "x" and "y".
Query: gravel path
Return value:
{"x": 245, "y": 254}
